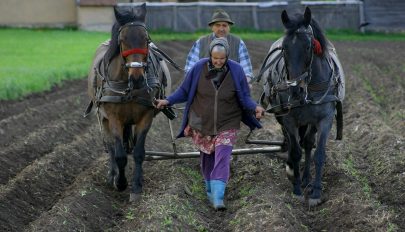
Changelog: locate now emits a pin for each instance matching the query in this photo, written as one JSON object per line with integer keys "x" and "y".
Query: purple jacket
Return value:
{"x": 186, "y": 91}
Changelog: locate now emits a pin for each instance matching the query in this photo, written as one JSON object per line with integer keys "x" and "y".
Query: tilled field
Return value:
{"x": 53, "y": 167}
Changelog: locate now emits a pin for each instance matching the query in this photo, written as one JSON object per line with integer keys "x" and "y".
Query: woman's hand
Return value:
{"x": 161, "y": 103}
{"x": 259, "y": 112}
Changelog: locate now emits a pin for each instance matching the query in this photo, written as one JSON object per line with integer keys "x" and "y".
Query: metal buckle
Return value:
{"x": 135, "y": 65}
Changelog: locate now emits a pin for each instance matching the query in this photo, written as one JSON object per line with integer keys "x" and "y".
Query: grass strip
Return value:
{"x": 34, "y": 60}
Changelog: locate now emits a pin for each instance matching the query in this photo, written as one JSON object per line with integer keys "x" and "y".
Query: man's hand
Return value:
{"x": 259, "y": 112}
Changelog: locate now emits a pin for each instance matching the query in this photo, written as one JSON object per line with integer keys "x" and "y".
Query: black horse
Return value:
{"x": 127, "y": 74}
{"x": 304, "y": 87}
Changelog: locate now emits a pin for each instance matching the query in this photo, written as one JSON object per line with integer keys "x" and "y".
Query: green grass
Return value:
{"x": 197, "y": 189}
{"x": 35, "y": 60}
{"x": 347, "y": 35}
{"x": 351, "y": 170}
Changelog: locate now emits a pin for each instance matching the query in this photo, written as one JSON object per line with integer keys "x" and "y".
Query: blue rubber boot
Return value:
{"x": 218, "y": 193}
{"x": 208, "y": 190}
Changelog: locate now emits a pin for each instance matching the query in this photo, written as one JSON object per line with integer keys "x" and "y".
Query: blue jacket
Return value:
{"x": 186, "y": 91}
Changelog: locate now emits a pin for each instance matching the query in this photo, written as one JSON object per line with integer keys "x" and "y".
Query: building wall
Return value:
{"x": 190, "y": 17}
{"x": 95, "y": 18}
{"x": 374, "y": 15}
{"x": 38, "y": 13}
{"x": 387, "y": 15}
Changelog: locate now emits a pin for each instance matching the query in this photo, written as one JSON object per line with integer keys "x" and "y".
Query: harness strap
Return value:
{"x": 282, "y": 108}
{"x": 127, "y": 98}
{"x": 164, "y": 56}
{"x": 318, "y": 86}
{"x": 264, "y": 68}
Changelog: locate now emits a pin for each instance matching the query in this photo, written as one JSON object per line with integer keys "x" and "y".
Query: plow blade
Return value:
{"x": 161, "y": 155}
{"x": 265, "y": 142}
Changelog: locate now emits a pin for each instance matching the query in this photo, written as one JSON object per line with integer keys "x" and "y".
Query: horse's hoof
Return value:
{"x": 300, "y": 198}
{"x": 135, "y": 197}
{"x": 314, "y": 202}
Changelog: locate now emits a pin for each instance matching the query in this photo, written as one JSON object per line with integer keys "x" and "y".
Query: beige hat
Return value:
{"x": 220, "y": 16}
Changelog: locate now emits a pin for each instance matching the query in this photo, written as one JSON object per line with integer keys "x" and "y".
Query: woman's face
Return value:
{"x": 218, "y": 58}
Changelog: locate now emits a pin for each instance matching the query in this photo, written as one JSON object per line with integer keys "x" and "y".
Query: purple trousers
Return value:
{"x": 216, "y": 166}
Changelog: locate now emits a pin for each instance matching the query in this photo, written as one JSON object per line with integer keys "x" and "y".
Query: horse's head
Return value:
{"x": 299, "y": 47}
{"x": 133, "y": 40}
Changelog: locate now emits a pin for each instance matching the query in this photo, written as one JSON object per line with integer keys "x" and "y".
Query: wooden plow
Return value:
{"x": 272, "y": 148}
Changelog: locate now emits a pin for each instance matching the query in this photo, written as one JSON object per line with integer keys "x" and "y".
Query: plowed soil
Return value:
{"x": 53, "y": 166}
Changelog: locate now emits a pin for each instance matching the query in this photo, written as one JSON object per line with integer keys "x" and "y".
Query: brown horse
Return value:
{"x": 125, "y": 78}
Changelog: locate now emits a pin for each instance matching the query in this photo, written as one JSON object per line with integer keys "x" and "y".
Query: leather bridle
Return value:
{"x": 142, "y": 51}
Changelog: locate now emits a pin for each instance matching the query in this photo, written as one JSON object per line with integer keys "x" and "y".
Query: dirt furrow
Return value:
{"x": 376, "y": 147}
{"x": 88, "y": 204}
{"x": 363, "y": 180}
{"x": 16, "y": 127}
{"x": 176, "y": 49}
{"x": 15, "y": 107}
{"x": 40, "y": 184}
{"x": 39, "y": 142}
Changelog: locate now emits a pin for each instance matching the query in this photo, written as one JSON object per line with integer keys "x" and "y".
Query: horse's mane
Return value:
{"x": 113, "y": 48}
{"x": 122, "y": 18}
{"x": 297, "y": 21}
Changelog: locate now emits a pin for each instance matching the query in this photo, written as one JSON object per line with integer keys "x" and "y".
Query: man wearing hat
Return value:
{"x": 220, "y": 25}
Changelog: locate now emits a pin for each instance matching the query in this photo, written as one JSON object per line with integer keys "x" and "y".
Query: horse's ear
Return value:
{"x": 117, "y": 13}
{"x": 143, "y": 6}
{"x": 307, "y": 16}
{"x": 285, "y": 19}
{"x": 140, "y": 12}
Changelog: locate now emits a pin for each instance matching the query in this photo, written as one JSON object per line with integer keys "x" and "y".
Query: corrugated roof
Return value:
{"x": 97, "y": 2}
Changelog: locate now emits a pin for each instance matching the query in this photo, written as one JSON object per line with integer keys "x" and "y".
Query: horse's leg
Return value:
{"x": 323, "y": 128}
{"x": 308, "y": 144}
{"x": 302, "y": 131}
{"x": 109, "y": 146}
{"x": 127, "y": 138}
{"x": 294, "y": 155}
{"x": 141, "y": 131}
{"x": 120, "y": 156}
{"x": 284, "y": 147}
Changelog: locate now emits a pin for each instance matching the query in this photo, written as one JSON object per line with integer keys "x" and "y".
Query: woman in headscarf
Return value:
{"x": 217, "y": 99}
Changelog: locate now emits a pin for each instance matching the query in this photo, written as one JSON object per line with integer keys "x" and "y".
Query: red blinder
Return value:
{"x": 143, "y": 51}
{"x": 317, "y": 47}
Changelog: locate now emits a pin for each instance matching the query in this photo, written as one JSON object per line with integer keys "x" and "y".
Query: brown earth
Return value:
{"x": 53, "y": 168}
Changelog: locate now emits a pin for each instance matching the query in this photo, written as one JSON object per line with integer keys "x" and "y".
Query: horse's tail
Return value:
{"x": 339, "y": 121}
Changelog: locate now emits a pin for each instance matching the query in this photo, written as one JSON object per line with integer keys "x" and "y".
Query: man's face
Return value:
{"x": 220, "y": 29}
